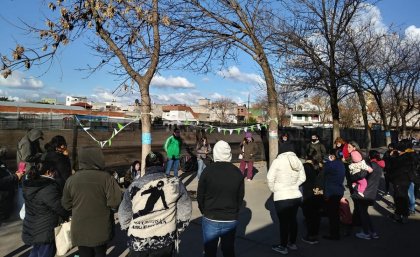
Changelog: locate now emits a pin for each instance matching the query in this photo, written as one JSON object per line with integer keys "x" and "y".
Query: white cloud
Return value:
{"x": 235, "y": 74}
{"x": 177, "y": 98}
{"x": 18, "y": 80}
{"x": 171, "y": 82}
{"x": 412, "y": 32}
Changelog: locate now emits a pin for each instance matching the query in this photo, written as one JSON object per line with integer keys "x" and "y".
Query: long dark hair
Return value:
{"x": 40, "y": 169}
{"x": 201, "y": 142}
{"x": 133, "y": 165}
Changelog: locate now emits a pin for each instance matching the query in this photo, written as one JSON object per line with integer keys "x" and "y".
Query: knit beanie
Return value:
{"x": 356, "y": 156}
{"x": 248, "y": 134}
{"x": 222, "y": 152}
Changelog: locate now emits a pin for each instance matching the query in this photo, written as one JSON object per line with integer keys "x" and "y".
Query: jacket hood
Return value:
{"x": 222, "y": 152}
{"x": 91, "y": 158}
{"x": 35, "y": 134}
{"x": 293, "y": 160}
{"x": 32, "y": 186}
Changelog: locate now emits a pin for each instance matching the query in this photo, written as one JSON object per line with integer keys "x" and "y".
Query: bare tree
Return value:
{"x": 124, "y": 33}
{"x": 312, "y": 42}
{"x": 221, "y": 30}
{"x": 224, "y": 108}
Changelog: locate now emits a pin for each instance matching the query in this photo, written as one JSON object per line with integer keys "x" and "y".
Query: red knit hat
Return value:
{"x": 356, "y": 156}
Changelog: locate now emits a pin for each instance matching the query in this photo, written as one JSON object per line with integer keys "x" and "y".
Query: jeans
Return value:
{"x": 412, "y": 197}
{"x": 98, "y": 251}
{"x": 212, "y": 231}
{"x": 250, "y": 167}
{"x": 286, "y": 212}
{"x": 43, "y": 250}
{"x": 201, "y": 167}
{"x": 332, "y": 206}
{"x": 166, "y": 251}
{"x": 172, "y": 163}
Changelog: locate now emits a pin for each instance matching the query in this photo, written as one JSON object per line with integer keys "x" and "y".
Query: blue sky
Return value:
{"x": 235, "y": 81}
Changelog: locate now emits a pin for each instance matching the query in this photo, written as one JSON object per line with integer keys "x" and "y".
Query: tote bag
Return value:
{"x": 63, "y": 241}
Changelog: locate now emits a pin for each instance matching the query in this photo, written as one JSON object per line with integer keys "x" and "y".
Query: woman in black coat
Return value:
{"x": 361, "y": 205}
{"x": 57, "y": 154}
{"x": 43, "y": 210}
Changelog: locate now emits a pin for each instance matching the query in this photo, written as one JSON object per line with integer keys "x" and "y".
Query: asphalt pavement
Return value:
{"x": 258, "y": 230}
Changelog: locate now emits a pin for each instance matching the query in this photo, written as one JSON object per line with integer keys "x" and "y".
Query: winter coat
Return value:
{"x": 155, "y": 208}
{"x": 173, "y": 147}
{"x": 203, "y": 150}
{"x": 313, "y": 180}
{"x": 220, "y": 191}
{"x": 62, "y": 165}
{"x": 401, "y": 167}
{"x": 249, "y": 150}
{"x": 285, "y": 175}
{"x": 28, "y": 148}
{"x": 42, "y": 210}
{"x": 8, "y": 185}
{"x": 91, "y": 194}
{"x": 317, "y": 151}
{"x": 373, "y": 180}
{"x": 334, "y": 173}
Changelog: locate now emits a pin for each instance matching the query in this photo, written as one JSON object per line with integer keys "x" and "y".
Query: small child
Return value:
{"x": 357, "y": 165}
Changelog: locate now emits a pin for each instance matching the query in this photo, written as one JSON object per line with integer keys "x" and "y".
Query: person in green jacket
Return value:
{"x": 173, "y": 151}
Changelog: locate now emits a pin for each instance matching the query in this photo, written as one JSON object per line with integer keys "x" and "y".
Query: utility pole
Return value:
{"x": 247, "y": 110}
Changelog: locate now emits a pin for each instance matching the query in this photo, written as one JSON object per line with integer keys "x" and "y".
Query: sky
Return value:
{"x": 235, "y": 81}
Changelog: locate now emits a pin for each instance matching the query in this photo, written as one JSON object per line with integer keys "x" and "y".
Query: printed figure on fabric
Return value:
{"x": 155, "y": 193}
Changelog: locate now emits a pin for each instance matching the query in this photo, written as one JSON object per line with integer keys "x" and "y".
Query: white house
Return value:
{"x": 178, "y": 114}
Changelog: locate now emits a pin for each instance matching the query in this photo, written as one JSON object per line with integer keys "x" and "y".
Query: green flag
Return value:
{"x": 120, "y": 126}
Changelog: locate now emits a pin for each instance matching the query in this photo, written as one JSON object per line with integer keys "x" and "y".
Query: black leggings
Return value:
{"x": 286, "y": 212}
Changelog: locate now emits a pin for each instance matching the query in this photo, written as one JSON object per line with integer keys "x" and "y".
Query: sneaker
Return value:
{"x": 396, "y": 218}
{"x": 248, "y": 180}
{"x": 280, "y": 249}
{"x": 310, "y": 241}
{"x": 412, "y": 212}
{"x": 292, "y": 246}
{"x": 374, "y": 235}
{"x": 362, "y": 235}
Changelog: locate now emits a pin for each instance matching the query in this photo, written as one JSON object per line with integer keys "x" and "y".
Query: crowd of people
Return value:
{"x": 154, "y": 207}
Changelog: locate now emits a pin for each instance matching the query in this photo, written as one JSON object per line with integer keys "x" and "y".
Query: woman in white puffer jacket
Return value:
{"x": 284, "y": 177}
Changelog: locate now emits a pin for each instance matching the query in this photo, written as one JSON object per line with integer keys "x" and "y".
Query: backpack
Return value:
{"x": 345, "y": 213}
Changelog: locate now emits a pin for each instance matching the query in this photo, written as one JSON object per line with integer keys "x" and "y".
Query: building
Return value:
{"x": 304, "y": 114}
{"x": 178, "y": 114}
{"x": 76, "y": 101}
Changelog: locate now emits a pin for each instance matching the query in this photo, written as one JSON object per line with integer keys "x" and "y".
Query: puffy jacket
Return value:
{"x": 42, "y": 210}
{"x": 173, "y": 147}
{"x": 334, "y": 173}
{"x": 285, "y": 175}
{"x": 91, "y": 194}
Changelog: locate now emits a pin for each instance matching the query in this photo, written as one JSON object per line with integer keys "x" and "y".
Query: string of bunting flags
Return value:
{"x": 102, "y": 143}
{"x": 207, "y": 128}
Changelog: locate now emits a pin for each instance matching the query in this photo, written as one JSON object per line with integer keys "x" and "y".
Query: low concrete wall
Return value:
{"x": 125, "y": 147}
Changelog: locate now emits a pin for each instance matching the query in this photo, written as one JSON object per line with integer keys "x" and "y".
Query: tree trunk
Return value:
{"x": 146, "y": 124}
{"x": 362, "y": 101}
{"x": 335, "y": 112}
